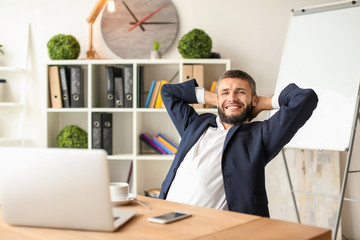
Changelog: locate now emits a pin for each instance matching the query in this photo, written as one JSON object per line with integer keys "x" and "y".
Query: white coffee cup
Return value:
{"x": 119, "y": 191}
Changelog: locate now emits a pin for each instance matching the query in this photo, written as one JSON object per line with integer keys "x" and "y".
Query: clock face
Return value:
{"x": 128, "y": 39}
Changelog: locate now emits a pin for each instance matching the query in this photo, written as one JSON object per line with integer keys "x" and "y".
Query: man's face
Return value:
{"x": 235, "y": 100}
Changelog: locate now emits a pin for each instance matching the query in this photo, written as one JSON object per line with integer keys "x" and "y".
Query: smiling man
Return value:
{"x": 220, "y": 162}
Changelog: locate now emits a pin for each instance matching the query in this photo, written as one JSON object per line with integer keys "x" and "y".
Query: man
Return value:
{"x": 220, "y": 162}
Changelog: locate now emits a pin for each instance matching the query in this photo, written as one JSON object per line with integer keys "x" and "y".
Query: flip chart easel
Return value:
{"x": 322, "y": 52}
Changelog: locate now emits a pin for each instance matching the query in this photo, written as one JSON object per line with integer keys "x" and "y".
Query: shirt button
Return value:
{"x": 174, "y": 170}
{"x": 163, "y": 194}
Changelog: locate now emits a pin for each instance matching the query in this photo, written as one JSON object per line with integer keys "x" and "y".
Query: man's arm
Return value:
{"x": 263, "y": 104}
{"x": 176, "y": 98}
{"x": 296, "y": 107}
{"x": 210, "y": 98}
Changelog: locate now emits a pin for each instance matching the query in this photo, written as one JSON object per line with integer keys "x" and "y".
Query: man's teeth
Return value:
{"x": 233, "y": 107}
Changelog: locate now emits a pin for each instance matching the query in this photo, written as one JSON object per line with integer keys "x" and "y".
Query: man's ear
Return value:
{"x": 255, "y": 100}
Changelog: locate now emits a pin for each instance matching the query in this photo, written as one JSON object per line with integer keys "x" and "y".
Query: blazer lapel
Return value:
{"x": 230, "y": 134}
{"x": 197, "y": 134}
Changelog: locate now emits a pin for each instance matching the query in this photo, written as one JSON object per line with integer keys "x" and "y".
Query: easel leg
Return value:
{"x": 291, "y": 186}
{"x": 346, "y": 172}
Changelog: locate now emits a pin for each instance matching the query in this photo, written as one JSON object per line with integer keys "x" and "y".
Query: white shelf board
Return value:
{"x": 156, "y": 110}
{"x": 65, "y": 110}
{"x": 10, "y": 104}
{"x": 121, "y": 157}
{"x": 160, "y": 157}
{"x": 10, "y": 141}
{"x": 11, "y": 69}
{"x": 140, "y": 61}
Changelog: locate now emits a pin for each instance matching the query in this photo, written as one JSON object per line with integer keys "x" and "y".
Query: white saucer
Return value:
{"x": 129, "y": 199}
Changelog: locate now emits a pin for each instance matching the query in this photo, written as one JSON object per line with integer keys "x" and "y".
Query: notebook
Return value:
{"x": 58, "y": 188}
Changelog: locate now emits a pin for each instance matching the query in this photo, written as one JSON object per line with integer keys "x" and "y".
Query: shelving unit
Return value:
{"x": 149, "y": 170}
{"x": 12, "y": 111}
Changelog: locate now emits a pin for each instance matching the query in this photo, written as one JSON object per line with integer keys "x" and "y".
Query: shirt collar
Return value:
{"x": 219, "y": 124}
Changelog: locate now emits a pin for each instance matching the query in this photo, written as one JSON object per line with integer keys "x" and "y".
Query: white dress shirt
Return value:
{"x": 199, "y": 180}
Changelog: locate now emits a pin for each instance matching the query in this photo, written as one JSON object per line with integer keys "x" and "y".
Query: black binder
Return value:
{"x": 110, "y": 87}
{"x": 65, "y": 86}
{"x": 112, "y": 73}
{"x": 97, "y": 130}
{"x": 107, "y": 132}
{"x": 77, "y": 95}
{"x": 119, "y": 92}
{"x": 140, "y": 89}
{"x": 128, "y": 86}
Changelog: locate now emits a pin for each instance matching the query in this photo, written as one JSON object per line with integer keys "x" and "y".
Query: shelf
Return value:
{"x": 11, "y": 104}
{"x": 121, "y": 157}
{"x": 155, "y": 157}
{"x": 66, "y": 110}
{"x": 11, "y": 69}
{"x": 10, "y": 142}
{"x": 148, "y": 169}
{"x": 150, "y": 110}
{"x": 13, "y": 108}
{"x": 113, "y": 110}
{"x": 139, "y": 61}
{"x": 15, "y": 72}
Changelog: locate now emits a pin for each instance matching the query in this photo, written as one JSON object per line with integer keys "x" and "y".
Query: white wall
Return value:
{"x": 249, "y": 32}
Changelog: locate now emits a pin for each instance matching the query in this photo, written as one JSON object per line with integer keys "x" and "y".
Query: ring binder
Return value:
{"x": 107, "y": 133}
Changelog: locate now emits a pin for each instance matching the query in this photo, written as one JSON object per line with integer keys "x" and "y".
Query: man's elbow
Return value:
{"x": 312, "y": 98}
{"x": 164, "y": 91}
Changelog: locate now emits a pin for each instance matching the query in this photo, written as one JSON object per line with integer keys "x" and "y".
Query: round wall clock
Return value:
{"x": 131, "y": 30}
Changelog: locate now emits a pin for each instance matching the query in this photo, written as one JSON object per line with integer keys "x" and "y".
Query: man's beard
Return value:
{"x": 235, "y": 119}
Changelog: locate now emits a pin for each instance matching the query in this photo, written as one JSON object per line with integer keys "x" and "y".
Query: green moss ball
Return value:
{"x": 72, "y": 137}
{"x": 195, "y": 44}
{"x": 63, "y": 46}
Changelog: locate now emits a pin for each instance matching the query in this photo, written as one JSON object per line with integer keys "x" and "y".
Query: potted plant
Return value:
{"x": 155, "y": 54}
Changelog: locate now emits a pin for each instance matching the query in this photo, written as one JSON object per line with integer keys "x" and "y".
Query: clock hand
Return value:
{"x": 132, "y": 23}
{"x": 133, "y": 15}
{"x": 145, "y": 18}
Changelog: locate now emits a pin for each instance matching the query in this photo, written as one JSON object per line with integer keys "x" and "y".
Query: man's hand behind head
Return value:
{"x": 263, "y": 103}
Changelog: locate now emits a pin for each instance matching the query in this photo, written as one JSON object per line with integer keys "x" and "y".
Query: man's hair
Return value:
{"x": 239, "y": 74}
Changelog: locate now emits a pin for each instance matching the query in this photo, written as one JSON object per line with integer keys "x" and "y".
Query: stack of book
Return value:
{"x": 159, "y": 143}
{"x": 66, "y": 87}
{"x": 154, "y": 99}
{"x": 212, "y": 89}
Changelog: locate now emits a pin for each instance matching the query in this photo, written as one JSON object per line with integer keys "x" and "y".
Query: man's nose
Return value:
{"x": 232, "y": 96}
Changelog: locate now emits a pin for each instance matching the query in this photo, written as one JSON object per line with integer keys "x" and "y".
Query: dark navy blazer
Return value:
{"x": 248, "y": 147}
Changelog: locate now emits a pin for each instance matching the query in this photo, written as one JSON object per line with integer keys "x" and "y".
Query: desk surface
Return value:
{"x": 204, "y": 223}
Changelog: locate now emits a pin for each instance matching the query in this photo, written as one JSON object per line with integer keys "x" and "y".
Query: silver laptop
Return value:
{"x": 58, "y": 188}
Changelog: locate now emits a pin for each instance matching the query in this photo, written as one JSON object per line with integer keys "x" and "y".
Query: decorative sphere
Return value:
{"x": 63, "y": 46}
{"x": 195, "y": 44}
